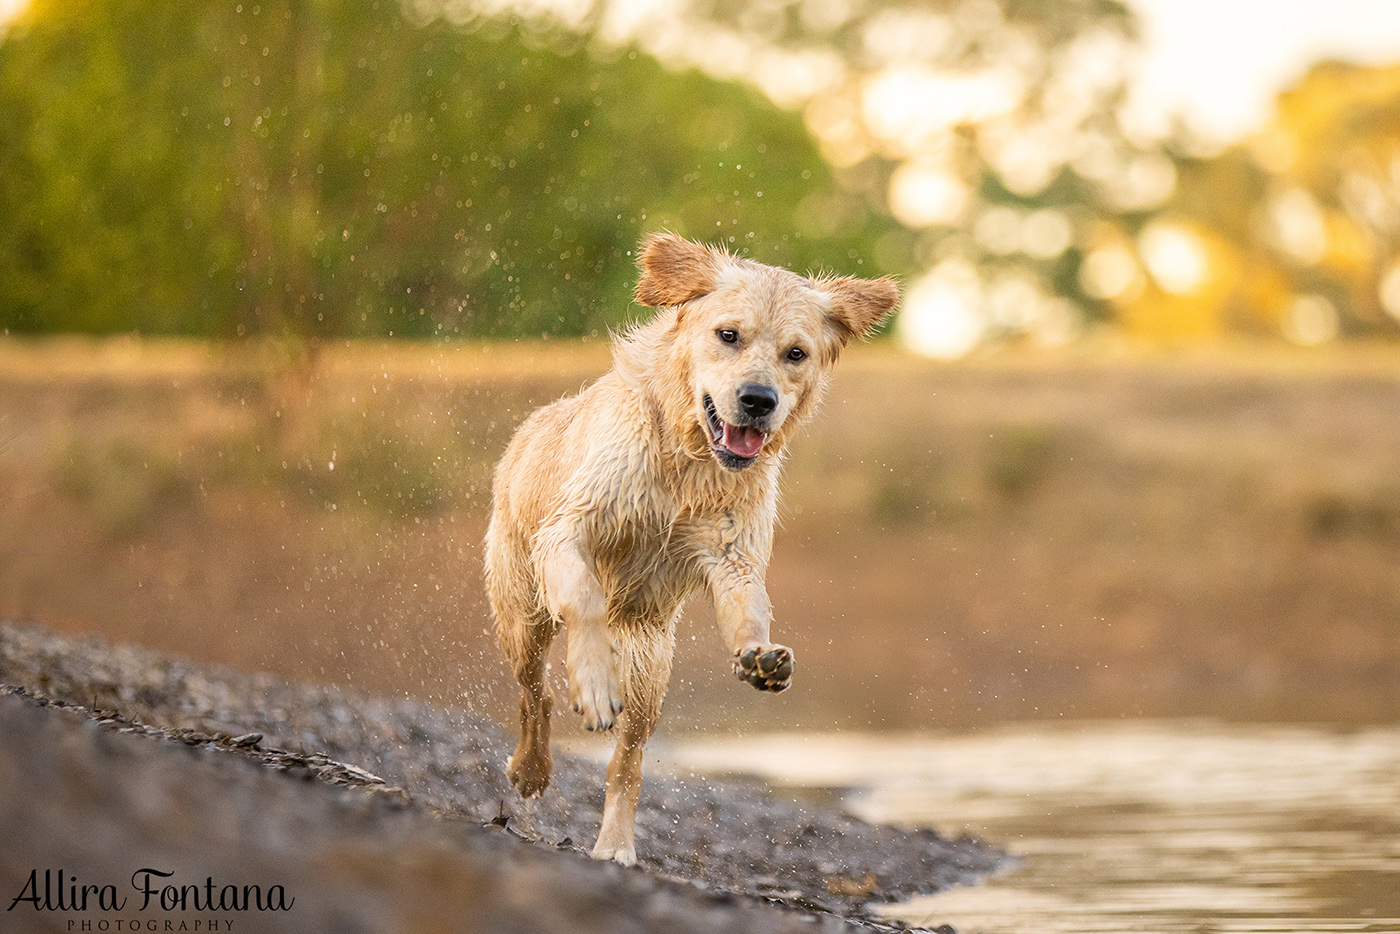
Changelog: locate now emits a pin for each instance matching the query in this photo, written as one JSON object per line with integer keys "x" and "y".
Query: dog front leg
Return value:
{"x": 646, "y": 657}
{"x": 615, "y": 837}
{"x": 574, "y": 595}
{"x": 744, "y": 613}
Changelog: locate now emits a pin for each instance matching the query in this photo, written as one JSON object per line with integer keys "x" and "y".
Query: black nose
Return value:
{"x": 757, "y": 401}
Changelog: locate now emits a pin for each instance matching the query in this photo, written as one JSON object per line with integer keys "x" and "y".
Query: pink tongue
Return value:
{"x": 744, "y": 441}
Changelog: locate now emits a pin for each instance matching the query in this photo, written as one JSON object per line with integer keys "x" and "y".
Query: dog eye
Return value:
{"x": 728, "y": 336}
{"x": 797, "y": 355}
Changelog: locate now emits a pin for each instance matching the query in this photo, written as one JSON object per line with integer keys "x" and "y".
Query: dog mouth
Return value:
{"x": 735, "y": 446}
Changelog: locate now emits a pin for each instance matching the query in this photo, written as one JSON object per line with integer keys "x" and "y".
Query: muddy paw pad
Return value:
{"x": 768, "y": 667}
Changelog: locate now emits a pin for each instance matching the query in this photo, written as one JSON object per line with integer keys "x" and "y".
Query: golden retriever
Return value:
{"x": 659, "y": 481}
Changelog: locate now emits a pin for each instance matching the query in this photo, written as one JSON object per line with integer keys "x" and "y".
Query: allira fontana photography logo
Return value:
{"x": 150, "y": 890}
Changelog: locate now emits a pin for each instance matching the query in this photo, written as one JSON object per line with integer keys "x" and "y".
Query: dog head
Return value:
{"x": 753, "y": 343}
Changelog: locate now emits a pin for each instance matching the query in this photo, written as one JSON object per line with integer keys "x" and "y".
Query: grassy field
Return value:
{"x": 1214, "y": 533}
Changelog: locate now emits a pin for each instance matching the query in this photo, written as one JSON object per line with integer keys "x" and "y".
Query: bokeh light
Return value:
{"x": 1175, "y": 256}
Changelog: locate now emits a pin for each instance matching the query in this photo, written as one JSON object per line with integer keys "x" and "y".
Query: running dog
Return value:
{"x": 613, "y": 507}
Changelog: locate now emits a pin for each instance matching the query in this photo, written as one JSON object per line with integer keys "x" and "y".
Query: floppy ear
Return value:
{"x": 858, "y": 305}
{"x": 674, "y": 270}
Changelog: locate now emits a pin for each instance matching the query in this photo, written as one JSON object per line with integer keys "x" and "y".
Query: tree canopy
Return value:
{"x": 484, "y": 168}
{"x": 335, "y": 168}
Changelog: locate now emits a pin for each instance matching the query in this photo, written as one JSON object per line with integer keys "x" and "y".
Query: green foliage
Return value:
{"x": 328, "y": 168}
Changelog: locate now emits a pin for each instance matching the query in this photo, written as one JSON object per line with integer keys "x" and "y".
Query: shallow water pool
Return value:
{"x": 1138, "y": 827}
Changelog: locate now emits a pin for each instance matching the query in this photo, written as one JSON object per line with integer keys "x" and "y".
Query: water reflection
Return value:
{"x": 1133, "y": 826}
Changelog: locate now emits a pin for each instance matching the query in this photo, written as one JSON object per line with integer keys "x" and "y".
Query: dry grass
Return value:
{"x": 1017, "y": 536}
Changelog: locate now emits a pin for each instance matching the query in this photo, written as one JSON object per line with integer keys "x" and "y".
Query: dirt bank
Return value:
{"x": 114, "y": 759}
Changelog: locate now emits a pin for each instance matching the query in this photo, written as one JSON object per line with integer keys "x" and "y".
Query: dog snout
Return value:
{"x": 757, "y": 400}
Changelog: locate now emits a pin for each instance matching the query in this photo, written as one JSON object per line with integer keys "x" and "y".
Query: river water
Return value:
{"x": 1131, "y": 827}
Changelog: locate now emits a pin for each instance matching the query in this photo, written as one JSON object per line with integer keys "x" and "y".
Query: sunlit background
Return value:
{"x": 1114, "y": 499}
{"x": 1038, "y": 172}
{"x": 278, "y": 279}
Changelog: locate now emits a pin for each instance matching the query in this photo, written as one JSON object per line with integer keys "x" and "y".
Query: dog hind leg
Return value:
{"x": 526, "y": 642}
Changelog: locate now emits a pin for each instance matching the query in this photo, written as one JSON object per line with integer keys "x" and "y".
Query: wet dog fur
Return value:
{"x": 659, "y": 481}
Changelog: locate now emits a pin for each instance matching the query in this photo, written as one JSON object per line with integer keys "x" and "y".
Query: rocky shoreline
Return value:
{"x": 393, "y": 815}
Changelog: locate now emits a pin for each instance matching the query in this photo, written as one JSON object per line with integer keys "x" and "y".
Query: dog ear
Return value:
{"x": 675, "y": 270}
{"x": 858, "y": 305}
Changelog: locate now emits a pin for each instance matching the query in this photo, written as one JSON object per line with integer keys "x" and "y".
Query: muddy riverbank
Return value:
{"x": 394, "y": 815}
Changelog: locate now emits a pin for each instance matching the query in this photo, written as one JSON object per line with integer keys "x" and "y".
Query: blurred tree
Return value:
{"x": 991, "y": 129}
{"x": 1298, "y": 228}
{"x": 337, "y": 167}
{"x": 483, "y": 167}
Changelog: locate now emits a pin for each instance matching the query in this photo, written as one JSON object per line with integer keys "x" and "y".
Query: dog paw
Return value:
{"x": 626, "y": 855}
{"x": 597, "y": 697}
{"x": 529, "y": 771}
{"x": 766, "y": 667}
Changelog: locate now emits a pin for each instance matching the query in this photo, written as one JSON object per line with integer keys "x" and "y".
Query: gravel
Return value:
{"x": 387, "y": 815}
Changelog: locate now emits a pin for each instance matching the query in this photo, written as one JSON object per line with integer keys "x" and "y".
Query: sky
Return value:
{"x": 1219, "y": 63}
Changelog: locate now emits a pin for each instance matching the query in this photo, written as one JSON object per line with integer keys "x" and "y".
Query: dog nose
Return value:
{"x": 756, "y": 400}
